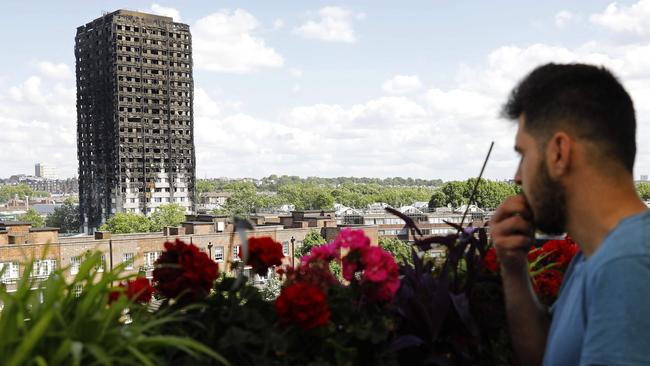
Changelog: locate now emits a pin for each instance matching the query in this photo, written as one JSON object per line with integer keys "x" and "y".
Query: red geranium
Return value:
{"x": 183, "y": 269}
{"x": 137, "y": 290}
{"x": 263, "y": 253}
{"x": 491, "y": 261}
{"x": 560, "y": 251}
{"x": 547, "y": 285}
{"x": 302, "y": 304}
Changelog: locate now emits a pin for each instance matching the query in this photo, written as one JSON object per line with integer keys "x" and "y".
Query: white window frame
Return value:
{"x": 150, "y": 258}
{"x": 235, "y": 252}
{"x": 75, "y": 264}
{"x": 102, "y": 264}
{"x": 129, "y": 259}
{"x": 43, "y": 267}
{"x": 285, "y": 248}
{"x": 11, "y": 271}
{"x": 218, "y": 253}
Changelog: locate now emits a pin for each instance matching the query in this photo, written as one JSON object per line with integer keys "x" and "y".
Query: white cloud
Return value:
{"x": 402, "y": 84}
{"x": 295, "y": 72}
{"x": 633, "y": 19}
{"x": 165, "y": 11}
{"x": 52, "y": 70}
{"x": 563, "y": 17}
{"x": 278, "y": 24}
{"x": 437, "y": 132}
{"x": 225, "y": 42}
{"x": 333, "y": 24}
{"x": 38, "y": 123}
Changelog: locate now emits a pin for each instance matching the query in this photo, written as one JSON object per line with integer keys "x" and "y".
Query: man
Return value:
{"x": 576, "y": 138}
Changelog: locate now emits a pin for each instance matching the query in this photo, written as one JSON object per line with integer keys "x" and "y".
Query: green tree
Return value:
{"x": 307, "y": 196}
{"x": 400, "y": 250}
{"x": 438, "y": 199}
{"x": 243, "y": 199}
{"x": 124, "y": 223}
{"x": 312, "y": 239}
{"x": 167, "y": 215}
{"x": 65, "y": 217}
{"x": 33, "y": 218}
{"x": 643, "y": 189}
{"x": 204, "y": 185}
{"x": 8, "y": 192}
{"x": 455, "y": 193}
{"x": 489, "y": 194}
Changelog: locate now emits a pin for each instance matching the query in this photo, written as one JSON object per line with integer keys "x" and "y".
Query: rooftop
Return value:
{"x": 14, "y": 223}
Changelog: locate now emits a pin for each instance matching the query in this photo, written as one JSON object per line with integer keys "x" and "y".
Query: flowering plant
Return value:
{"x": 136, "y": 290}
{"x": 546, "y": 265}
{"x": 263, "y": 253}
{"x": 183, "y": 270}
{"x": 303, "y": 304}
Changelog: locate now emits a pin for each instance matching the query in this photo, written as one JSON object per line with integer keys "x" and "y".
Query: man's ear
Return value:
{"x": 559, "y": 151}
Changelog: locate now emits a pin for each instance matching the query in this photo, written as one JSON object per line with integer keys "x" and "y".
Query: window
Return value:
{"x": 102, "y": 264}
{"x": 218, "y": 253}
{"x": 127, "y": 259}
{"x": 9, "y": 271}
{"x": 235, "y": 252}
{"x": 78, "y": 288}
{"x": 43, "y": 267}
{"x": 75, "y": 263}
{"x": 150, "y": 258}
{"x": 285, "y": 248}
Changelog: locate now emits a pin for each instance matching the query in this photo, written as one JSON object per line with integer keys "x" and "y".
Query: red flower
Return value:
{"x": 183, "y": 269}
{"x": 491, "y": 261}
{"x": 302, "y": 304}
{"x": 547, "y": 285}
{"x": 560, "y": 251}
{"x": 137, "y": 290}
{"x": 316, "y": 273}
{"x": 263, "y": 253}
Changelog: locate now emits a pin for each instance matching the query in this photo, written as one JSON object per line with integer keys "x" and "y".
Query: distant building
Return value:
{"x": 135, "y": 130}
{"x": 644, "y": 177}
{"x": 138, "y": 251}
{"x": 45, "y": 171}
{"x": 53, "y": 186}
{"x": 209, "y": 201}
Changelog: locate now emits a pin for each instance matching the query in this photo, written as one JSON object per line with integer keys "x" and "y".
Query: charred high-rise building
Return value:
{"x": 135, "y": 124}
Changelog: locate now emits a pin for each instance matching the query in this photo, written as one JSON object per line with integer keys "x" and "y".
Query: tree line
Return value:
{"x": 9, "y": 192}
{"x": 247, "y": 198}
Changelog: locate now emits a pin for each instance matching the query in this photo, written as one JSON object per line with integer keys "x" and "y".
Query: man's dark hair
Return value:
{"x": 585, "y": 100}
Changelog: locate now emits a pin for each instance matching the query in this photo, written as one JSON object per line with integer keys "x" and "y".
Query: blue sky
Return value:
{"x": 355, "y": 88}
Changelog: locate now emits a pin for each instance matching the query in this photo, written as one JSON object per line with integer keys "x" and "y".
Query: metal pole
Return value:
{"x": 293, "y": 256}
{"x": 210, "y": 249}
{"x": 110, "y": 253}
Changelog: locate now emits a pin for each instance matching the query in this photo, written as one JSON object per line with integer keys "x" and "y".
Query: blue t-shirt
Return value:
{"x": 602, "y": 316}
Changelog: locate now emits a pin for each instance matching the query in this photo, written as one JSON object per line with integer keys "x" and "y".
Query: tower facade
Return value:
{"x": 135, "y": 123}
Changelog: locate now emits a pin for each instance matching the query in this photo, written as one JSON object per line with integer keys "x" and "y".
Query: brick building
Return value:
{"x": 138, "y": 252}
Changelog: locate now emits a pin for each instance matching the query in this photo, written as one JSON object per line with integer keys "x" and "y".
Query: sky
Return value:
{"x": 330, "y": 88}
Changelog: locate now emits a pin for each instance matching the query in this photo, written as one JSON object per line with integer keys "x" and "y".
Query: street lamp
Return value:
{"x": 210, "y": 249}
{"x": 293, "y": 256}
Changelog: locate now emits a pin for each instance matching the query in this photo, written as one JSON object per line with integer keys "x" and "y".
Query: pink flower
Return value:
{"x": 353, "y": 239}
{"x": 380, "y": 274}
{"x": 324, "y": 253}
{"x": 377, "y": 264}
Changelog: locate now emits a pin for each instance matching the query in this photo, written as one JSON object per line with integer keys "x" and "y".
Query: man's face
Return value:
{"x": 546, "y": 196}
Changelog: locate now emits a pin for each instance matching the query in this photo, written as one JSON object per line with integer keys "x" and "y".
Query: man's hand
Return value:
{"x": 512, "y": 233}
